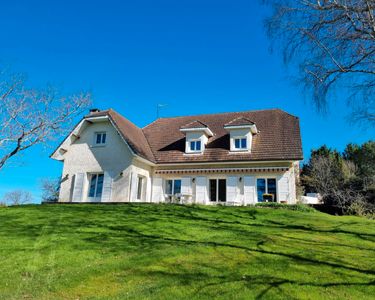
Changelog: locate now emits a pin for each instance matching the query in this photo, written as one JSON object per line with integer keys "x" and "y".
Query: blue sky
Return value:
{"x": 195, "y": 56}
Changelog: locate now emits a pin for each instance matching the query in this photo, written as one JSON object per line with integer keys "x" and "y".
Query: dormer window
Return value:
{"x": 197, "y": 134}
{"x": 100, "y": 138}
{"x": 196, "y": 146}
{"x": 240, "y": 143}
{"x": 241, "y": 132}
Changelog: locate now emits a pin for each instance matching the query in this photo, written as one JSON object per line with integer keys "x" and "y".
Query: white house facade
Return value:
{"x": 233, "y": 158}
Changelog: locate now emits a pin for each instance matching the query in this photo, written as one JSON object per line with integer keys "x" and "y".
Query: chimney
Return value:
{"x": 94, "y": 110}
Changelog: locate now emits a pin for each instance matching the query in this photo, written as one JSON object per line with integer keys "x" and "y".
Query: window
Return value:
{"x": 240, "y": 143}
{"x": 267, "y": 187}
{"x": 195, "y": 146}
{"x": 218, "y": 190}
{"x": 140, "y": 187}
{"x": 100, "y": 138}
{"x": 96, "y": 185}
{"x": 173, "y": 186}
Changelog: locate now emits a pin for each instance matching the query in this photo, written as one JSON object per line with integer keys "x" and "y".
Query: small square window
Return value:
{"x": 195, "y": 146}
{"x": 100, "y": 138}
{"x": 240, "y": 143}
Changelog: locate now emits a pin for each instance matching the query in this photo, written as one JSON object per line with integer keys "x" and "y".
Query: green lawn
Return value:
{"x": 183, "y": 252}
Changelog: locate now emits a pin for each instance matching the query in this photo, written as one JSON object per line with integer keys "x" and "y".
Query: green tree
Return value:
{"x": 363, "y": 156}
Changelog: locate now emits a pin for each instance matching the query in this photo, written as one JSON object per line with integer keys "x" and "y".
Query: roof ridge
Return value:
{"x": 222, "y": 113}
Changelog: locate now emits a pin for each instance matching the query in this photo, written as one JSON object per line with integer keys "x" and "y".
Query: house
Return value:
{"x": 238, "y": 158}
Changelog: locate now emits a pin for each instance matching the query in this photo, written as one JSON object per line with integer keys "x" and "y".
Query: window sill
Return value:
{"x": 93, "y": 199}
{"x": 234, "y": 151}
{"x": 97, "y": 146}
{"x": 194, "y": 153}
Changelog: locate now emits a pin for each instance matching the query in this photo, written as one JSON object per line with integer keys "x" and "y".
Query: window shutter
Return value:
{"x": 134, "y": 185}
{"x": 107, "y": 188}
{"x": 249, "y": 190}
{"x": 157, "y": 190}
{"x": 283, "y": 187}
{"x": 201, "y": 190}
{"x": 186, "y": 186}
{"x": 148, "y": 189}
{"x": 231, "y": 188}
{"x": 78, "y": 187}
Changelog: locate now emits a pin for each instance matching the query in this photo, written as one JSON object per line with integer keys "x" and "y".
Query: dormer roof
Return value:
{"x": 193, "y": 125}
{"x": 196, "y": 125}
{"x": 239, "y": 121}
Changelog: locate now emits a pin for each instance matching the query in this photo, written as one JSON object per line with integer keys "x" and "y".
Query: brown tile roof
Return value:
{"x": 239, "y": 121}
{"x": 278, "y": 138}
{"x": 163, "y": 142}
{"x": 194, "y": 124}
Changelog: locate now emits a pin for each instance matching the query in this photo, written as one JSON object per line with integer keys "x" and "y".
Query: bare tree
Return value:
{"x": 332, "y": 180}
{"x": 333, "y": 43}
{"x": 324, "y": 175}
{"x": 29, "y": 117}
{"x": 50, "y": 189}
{"x": 17, "y": 197}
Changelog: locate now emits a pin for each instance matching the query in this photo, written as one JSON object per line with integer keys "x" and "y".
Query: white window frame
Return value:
{"x": 195, "y": 141}
{"x": 217, "y": 189}
{"x": 173, "y": 180}
{"x": 140, "y": 181}
{"x": 266, "y": 186}
{"x": 95, "y": 198}
{"x": 240, "y": 138}
{"x": 101, "y": 139}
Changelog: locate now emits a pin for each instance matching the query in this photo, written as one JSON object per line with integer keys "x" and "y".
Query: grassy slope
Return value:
{"x": 169, "y": 252}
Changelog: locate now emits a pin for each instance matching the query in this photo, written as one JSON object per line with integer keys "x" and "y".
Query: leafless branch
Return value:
{"x": 17, "y": 197}
{"x": 29, "y": 117}
{"x": 333, "y": 42}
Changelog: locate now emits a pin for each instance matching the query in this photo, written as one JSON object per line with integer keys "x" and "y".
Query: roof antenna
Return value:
{"x": 158, "y": 109}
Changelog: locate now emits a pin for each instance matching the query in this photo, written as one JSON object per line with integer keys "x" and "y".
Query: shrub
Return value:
{"x": 362, "y": 208}
{"x": 296, "y": 207}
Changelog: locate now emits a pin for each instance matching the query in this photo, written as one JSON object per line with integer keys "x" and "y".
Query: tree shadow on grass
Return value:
{"x": 132, "y": 228}
{"x": 204, "y": 285}
{"x": 135, "y": 215}
{"x": 271, "y": 282}
{"x": 336, "y": 230}
{"x": 152, "y": 240}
